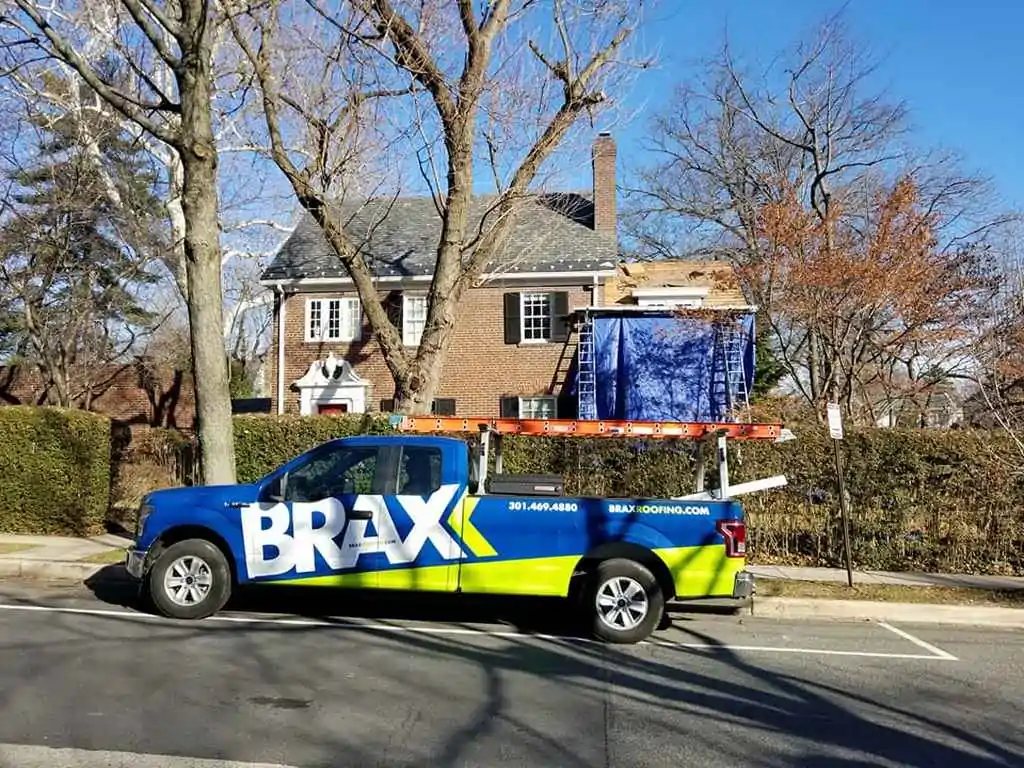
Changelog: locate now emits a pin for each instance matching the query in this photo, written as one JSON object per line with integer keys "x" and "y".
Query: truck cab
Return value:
{"x": 419, "y": 512}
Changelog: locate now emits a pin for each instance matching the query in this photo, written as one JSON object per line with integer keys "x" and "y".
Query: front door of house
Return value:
{"x": 332, "y": 408}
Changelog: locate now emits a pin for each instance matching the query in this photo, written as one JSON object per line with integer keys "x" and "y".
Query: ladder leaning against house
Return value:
{"x": 586, "y": 368}
{"x": 729, "y": 376}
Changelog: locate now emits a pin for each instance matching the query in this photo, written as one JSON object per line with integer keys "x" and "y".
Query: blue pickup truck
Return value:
{"x": 423, "y": 513}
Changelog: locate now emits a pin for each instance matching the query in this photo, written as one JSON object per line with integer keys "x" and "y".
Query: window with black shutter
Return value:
{"x": 510, "y": 407}
{"x": 443, "y": 406}
{"x": 560, "y": 316}
{"x": 393, "y": 308}
{"x": 387, "y": 406}
{"x": 513, "y": 322}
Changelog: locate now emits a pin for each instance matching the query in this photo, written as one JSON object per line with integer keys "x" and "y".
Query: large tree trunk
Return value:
{"x": 202, "y": 260}
{"x": 176, "y": 215}
{"x": 415, "y": 391}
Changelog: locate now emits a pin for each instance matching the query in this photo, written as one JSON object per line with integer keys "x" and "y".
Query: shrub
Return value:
{"x": 263, "y": 443}
{"x": 150, "y": 459}
{"x": 55, "y": 471}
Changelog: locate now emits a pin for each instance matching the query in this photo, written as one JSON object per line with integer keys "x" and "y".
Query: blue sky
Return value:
{"x": 958, "y": 65}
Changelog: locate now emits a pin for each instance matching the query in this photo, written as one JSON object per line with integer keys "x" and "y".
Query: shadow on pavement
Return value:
{"x": 659, "y": 706}
{"x": 111, "y": 585}
{"x": 716, "y": 702}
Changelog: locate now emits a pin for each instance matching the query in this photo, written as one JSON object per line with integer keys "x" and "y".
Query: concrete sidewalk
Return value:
{"x": 58, "y": 557}
{"x": 908, "y": 579}
{"x": 59, "y": 548}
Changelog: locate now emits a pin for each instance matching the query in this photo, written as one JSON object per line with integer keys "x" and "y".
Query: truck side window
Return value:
{"x": 419, "y": 473}
{"x": 334, "y": 472}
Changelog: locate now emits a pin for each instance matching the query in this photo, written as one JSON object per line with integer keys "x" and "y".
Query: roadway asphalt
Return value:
{"x": 277, "y": 681}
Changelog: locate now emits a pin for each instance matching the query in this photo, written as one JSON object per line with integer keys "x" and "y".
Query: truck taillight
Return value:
{"x": 735, "y": 534}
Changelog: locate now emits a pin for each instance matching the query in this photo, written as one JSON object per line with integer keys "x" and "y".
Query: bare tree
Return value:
{"x": 809, "y": 130}
{"x": 889, "y": 309}
{"x": 179, "y": 36}
{"x": 451, "y": 83}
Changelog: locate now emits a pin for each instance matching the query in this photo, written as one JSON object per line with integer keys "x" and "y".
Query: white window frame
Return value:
{"x": 349, "y": 320}
{"x": 413, "y": 332}
{"x": 527, "y": 413}
{"x": 525, "y": 298}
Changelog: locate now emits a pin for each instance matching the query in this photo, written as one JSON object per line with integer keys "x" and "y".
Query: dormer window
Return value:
{"x": 689, "y": 297}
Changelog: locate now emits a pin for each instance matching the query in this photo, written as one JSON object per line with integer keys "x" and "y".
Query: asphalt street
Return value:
{"x": 87, "y": 680}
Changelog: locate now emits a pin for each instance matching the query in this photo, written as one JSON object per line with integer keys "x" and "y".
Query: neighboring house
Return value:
{"x": 513, "y": 351}
{"x": 136, "y": 393}
{"x": 941, "y": 407}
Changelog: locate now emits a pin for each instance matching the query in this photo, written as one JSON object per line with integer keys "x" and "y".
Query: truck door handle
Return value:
{"x": 360, "y": 514}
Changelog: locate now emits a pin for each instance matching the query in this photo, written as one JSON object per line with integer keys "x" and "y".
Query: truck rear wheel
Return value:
{"x": 190, "y": 580}
{"x": 626, "y": 601}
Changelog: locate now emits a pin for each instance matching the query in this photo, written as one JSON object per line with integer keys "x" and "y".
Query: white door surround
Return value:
{"x": 331, "y": 382}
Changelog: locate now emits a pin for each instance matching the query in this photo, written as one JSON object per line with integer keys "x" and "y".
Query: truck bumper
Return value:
{"x": 135, "y": 562}
{"x": 743, "y": 585}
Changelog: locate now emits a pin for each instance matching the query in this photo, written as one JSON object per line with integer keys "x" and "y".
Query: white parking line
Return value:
{"x": 808, "y": 651}
{"x": 935, "y": 654}
{"x": 938, "y": 652}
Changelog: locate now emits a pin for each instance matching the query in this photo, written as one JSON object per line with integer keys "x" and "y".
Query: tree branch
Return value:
{"x": 126, "y": 105}
{"x": 413, "y": 56}
{"x": 152, "y": 32}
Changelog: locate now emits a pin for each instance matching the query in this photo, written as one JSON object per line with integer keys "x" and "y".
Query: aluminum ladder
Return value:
{"x": 729, "y": 380}
{"x": 586, "y": 374}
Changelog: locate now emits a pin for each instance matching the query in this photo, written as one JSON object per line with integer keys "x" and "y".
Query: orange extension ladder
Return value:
{"x": 591, "y": 428}
{"x": 703, "y": 432}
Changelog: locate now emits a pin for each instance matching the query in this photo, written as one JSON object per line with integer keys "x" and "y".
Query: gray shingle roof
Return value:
{"x": 550, "y": 233}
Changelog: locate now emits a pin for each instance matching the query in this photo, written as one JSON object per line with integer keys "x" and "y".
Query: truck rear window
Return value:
{"x": 419, "y": 471}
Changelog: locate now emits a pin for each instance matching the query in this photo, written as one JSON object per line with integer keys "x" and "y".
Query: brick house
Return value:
{"x": 136, "y": 394}
{"x": 513, "y": 345}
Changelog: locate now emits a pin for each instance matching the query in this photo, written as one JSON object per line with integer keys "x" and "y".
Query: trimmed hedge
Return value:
{"x": 54, "y": 471}
{"x": 949, "y": 501}
{"x": 263, "y": 443}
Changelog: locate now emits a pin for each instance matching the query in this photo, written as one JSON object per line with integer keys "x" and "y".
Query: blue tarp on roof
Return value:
{"x": 664, "y": 367}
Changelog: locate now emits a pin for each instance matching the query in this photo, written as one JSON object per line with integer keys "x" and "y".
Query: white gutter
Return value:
{"x": 280, "y": 350}
{"x": 314, "y": 282}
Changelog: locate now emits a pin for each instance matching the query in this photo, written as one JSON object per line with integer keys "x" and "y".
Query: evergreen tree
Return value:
{"x": 79, "y": 251}
{"x": 768, "y": 369}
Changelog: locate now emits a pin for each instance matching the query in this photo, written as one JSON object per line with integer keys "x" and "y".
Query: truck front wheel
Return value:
{"x": 190, "y": 580}
{"x": 626, "y": 601}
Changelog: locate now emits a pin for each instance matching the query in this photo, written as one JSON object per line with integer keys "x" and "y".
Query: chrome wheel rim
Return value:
{"x": 188, "y": 581}
{"x": 622, "y": 603}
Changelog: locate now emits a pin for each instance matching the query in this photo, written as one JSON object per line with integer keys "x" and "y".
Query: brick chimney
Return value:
{"x": 603, "y": 154}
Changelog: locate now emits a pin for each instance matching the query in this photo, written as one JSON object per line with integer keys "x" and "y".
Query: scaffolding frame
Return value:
{"x": 491, "y": 434}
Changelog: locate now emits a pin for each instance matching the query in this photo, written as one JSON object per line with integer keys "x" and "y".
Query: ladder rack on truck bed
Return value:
{"x": 494, "y": 429}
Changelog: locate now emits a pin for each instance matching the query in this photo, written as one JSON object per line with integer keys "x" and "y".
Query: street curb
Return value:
{"x": 60, "y": 571}
{"x": 872, "y": 610}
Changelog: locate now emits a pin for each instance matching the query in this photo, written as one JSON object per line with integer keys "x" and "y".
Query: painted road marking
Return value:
{"x": 939, "y": 653}
{"x": 809, "y": 651}
{"x": 31, "y": 756}
{"x": 935, "y": 655}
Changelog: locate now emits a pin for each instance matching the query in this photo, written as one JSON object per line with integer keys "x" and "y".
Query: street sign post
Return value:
{"x": 835, "y": 430}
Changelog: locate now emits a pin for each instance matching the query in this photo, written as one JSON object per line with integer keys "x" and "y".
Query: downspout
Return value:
{"x": 595, "y": 298}
{"x": 280, "y": 349}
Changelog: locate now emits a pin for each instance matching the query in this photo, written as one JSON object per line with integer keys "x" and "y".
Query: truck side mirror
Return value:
{"x": 274, "y": 491}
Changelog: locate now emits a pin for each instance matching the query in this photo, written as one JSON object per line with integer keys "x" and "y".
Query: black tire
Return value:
{"x": 602, "y": 585}
{"x": 190, "y": 551}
